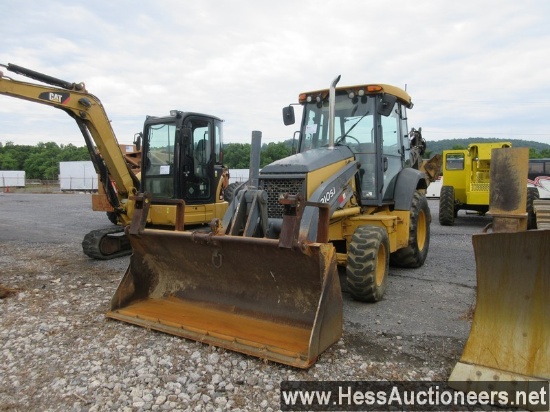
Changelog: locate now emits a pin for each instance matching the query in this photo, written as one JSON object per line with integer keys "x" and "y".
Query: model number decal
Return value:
{"x": 328, "y": 195}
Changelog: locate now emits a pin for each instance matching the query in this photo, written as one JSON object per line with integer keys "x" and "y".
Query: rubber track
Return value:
{"x": 91, "y": 245}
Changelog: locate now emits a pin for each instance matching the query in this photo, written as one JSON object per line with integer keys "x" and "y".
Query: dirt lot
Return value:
{"x": 58, "y": 352}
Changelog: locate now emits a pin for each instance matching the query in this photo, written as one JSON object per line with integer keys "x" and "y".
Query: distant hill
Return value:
{"x": 438, "y": 146}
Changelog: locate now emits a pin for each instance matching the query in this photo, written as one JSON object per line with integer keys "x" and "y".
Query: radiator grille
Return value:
{"x": 479, "y": 187}
{"x": 275, "y": 188}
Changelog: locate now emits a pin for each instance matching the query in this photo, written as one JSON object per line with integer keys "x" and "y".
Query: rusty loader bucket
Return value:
{"x": 510, "y": 335}
{"x": 241, "y": 293}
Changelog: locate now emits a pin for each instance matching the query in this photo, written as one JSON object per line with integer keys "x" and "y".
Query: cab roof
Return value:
{"x": 367, "y": 89}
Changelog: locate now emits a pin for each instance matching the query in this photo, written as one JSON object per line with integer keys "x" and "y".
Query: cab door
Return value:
{"x": 196, "y": 180}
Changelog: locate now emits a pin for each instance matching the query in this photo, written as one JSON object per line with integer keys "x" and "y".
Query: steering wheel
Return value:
{"x": 341, "y": 138}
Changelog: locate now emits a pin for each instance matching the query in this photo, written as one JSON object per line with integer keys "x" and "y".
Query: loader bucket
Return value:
{"x": 244, "y": 294}
{"x": 510, "y": 334}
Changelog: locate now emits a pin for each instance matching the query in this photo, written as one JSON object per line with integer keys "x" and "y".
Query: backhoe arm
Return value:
{"x": 89, "y": 114}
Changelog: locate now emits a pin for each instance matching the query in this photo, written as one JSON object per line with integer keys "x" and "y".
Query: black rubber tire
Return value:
{"x": 113, "y": 217}
{"x": 229, "y": 192}
{"x": 447, "y": 211}
{"x": 368, "y": 263}
{"x": 414, "y": 255}
{"x": 532, "y": 195}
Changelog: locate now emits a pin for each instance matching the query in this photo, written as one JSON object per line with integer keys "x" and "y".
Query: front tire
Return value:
{"x": 447, "y": 206}
{"x": 414, "y": 255}
{"x": 368, "y": 263}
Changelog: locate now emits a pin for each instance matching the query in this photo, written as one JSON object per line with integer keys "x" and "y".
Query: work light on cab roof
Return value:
{"x": 358, "y": 91}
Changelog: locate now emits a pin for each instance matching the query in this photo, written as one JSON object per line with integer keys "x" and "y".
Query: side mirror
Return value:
{"x": 137, "y": 141}
{"x": 288, "y": 115}
{"x": 386, "y": 104}
{"x": 187, "y": 135}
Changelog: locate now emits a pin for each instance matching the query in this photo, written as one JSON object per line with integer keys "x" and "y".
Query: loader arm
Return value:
{"x": 91, "y": 118}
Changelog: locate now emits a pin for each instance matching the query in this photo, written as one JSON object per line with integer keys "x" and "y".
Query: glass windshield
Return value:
{"x": 159, "y": 164}
{"x": 353, "y": 124}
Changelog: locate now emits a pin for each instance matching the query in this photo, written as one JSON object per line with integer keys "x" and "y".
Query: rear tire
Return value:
{"x": 368, "y": 263}
{"x": 415, "y": 253}
{"x": 447, "y": 206}
{"x": 532, "y": 195}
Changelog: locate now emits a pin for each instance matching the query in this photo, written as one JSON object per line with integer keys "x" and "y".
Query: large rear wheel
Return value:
{"x": 368, "y": 263}
{"x": 447, "y": 206}
{"x": 414, "y": 255}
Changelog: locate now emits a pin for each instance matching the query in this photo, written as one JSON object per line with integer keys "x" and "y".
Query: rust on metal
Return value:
{"x": 508, "y": 189}
{"x": 143, "y": 201}
{"x": 510, "y": 334}
{"x": 432, "y": 168}
{"x": 240, "y": 293}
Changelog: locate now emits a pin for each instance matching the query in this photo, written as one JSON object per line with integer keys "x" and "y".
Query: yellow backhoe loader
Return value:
{"x": 263, "y": 280}
{"x": 509, "y": 339}
{"x": 182, "y": 160}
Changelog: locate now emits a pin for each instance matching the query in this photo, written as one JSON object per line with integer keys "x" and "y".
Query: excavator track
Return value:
{"x": 105, "y": 244}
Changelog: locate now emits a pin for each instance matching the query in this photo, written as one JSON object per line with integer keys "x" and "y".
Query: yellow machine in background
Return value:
{"x": 510, "y": 335}
{"x": 466, "y": 182}
{"x": 263, "y": 280}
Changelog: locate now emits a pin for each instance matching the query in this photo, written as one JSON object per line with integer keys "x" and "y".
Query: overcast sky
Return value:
{"x": 473, "y": 68}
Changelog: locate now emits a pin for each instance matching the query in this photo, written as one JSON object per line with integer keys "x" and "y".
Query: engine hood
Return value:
{"x": 308, "y": 161}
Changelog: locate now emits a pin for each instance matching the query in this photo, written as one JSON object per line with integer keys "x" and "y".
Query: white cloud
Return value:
{"x": 473, "y": 68}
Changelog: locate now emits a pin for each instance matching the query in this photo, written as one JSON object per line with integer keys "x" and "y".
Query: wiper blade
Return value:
{"x": 351, "y": 128}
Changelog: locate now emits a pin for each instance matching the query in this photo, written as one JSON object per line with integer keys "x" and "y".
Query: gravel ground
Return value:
{"x": 59, "y": 352}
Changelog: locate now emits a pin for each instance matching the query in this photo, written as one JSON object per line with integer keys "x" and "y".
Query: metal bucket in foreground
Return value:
{"x": 510, "y": 335}
{"x": 243, "y": 294}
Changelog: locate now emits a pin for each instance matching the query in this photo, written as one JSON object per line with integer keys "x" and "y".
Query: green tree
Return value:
{"x": 272, "y": 152}
{"x": 71, "y": 153}
{"x": 8, "y": 162}
{"x": 43, "y": 163}
{"x": 237, "y": 155}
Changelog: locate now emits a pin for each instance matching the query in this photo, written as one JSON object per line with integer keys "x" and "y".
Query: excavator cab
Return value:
{"x": 182, "y": 161}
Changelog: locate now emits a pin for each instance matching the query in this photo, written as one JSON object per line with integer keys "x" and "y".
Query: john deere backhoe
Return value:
{"x": 263, "y": 280}
{"x": 182, "y": 160}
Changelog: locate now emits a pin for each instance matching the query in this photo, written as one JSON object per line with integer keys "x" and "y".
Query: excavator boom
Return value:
{"x": 182, "y": 160}
{"x": 91, "y": 118}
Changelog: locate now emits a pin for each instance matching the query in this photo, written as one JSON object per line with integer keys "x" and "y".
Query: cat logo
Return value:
{"x": 60, "y": 98}
{"x": 54, "y": 97}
